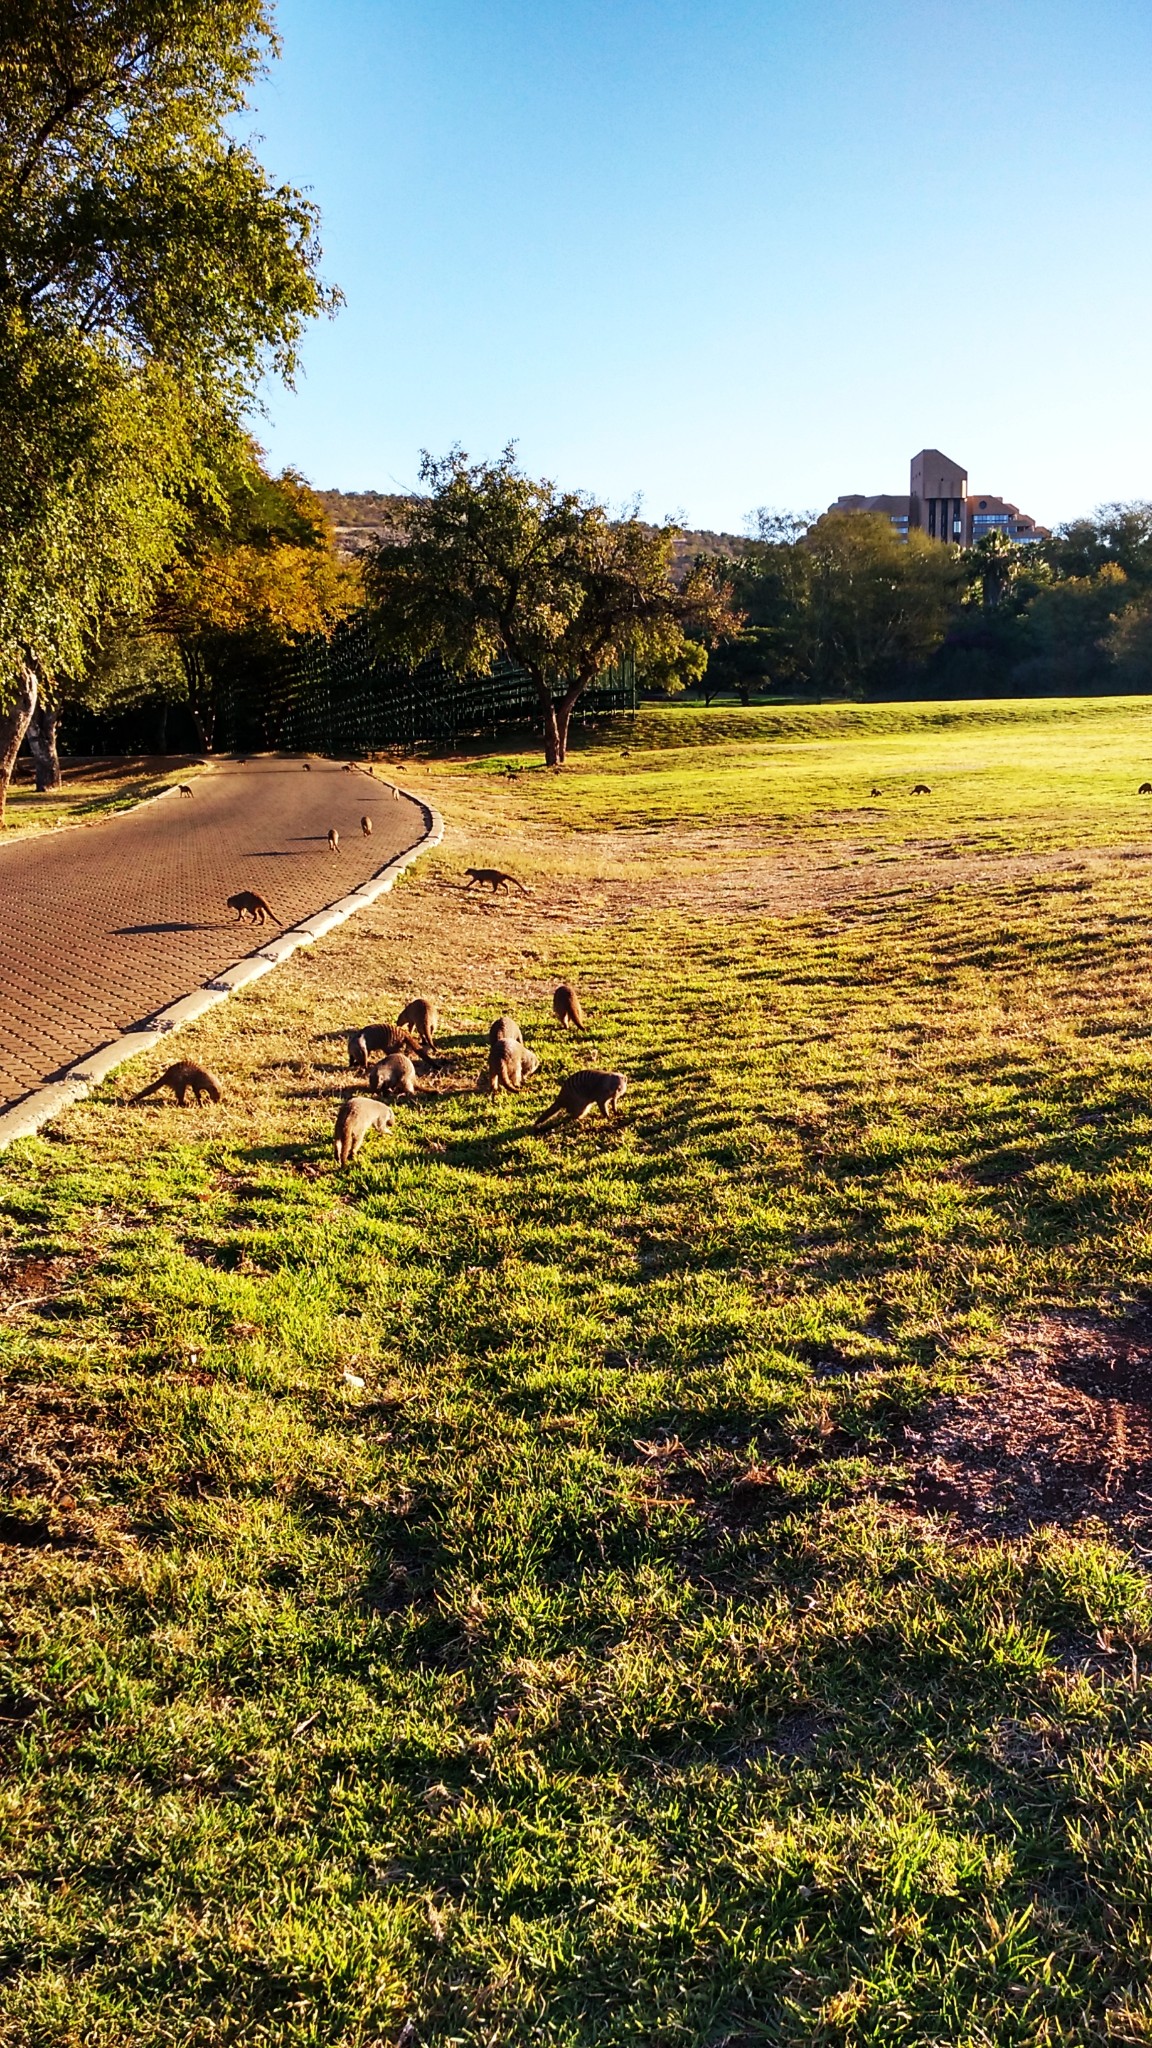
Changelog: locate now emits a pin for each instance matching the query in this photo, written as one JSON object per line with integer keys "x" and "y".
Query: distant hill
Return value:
{"x": 361, "y": 518}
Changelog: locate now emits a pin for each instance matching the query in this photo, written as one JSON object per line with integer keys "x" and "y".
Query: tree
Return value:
{"x": 1129, "y": 643}
{"x": 90, "y": 511}
{"x": 494, "y": 563}
{"x": 993, "y": 565}
{"x": 844, "y": 604}
{"x": 1116, "y": 535}
{"x": 770, "y": 584}
{"x": 257, "y": 573}
{"x": 1066, "y": 635}
{"x": 878, "y": 604}
{"x": 150, "y": 274}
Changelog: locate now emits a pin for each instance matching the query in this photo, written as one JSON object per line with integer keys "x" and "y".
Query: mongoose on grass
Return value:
{"x": 510, "y": 1063}
{"x": 1145, "y": 789}
{"x": 184, "y": 1079}
{"x": 566, "y": 1004}
{"x": 382, "y": 1038}
{"x": 591, "y": 1089}
{"x": 354, "y": 1119}
{"x": 395, "y": 1076}
{"x": 422, "y": 1018}
{"x": 247, "y": 903}
{"x": 495, "y": 878}
{"x": 921, "y": 789}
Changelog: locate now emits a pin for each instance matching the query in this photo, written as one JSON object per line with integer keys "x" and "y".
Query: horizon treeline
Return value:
{"x": 843, "y": 605}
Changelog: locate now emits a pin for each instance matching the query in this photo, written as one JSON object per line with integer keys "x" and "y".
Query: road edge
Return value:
{"x": 44, "y": 1103}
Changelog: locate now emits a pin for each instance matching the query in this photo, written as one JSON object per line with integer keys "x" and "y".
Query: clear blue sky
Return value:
{"x": 726, "y": 253}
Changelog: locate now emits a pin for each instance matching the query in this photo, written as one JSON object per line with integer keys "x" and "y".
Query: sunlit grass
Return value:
{"x": 90, "y": 789}
{"x": 385, "y": 1638}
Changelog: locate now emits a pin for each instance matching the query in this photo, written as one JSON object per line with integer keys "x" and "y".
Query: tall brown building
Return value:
{"x": 941, "y": 505}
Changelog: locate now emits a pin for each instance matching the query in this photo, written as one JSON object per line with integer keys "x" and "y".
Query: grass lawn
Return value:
{"x": 678, "y": 1582}
{"x": 90, "y": 790}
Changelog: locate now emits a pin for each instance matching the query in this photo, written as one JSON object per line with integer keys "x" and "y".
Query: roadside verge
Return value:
{"x": 42, "y": 1104}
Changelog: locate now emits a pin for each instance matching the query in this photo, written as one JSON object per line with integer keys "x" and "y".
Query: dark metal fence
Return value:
{"x": 339, "y": 697}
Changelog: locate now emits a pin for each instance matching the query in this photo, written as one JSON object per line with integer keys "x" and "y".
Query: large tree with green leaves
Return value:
{"x": 492, "y": 562}
{"x": 150, "y": 274}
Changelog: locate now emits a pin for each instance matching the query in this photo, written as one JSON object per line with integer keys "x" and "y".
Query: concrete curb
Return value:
{"x": 44, "y": 1103}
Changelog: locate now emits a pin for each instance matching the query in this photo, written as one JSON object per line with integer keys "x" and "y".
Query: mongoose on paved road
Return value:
{"x": 354, "y": 1119}
{"x": 496, "y": 879}
{"x": 333, "y": 839}
{"x": 591, "y": 1089}
{"x": 566, "y": 1004}
{"x": 184, "y": 1079}
{"x": 366, "y": 827}
{"x": 247, "y": 903}
{"x": 185, "y": 789}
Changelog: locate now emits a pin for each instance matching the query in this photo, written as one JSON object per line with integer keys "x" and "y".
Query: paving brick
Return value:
{"x": 106, "y": 924}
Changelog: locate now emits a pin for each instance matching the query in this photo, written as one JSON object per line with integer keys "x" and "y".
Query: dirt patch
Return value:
{"x": 737, "y": 868}
{"x": 1056, "y": 1433}
{"x": 54, "y": 1446}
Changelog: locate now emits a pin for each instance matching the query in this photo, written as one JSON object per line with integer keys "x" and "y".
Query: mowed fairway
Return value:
{"x": 676, "y": 1582}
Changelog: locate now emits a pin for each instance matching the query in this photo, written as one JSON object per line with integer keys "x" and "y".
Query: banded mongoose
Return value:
{"x": 355, "y": 1117}
{"x": 876, "y": 792}
{"x": 349, "y": 768}
{"x": 333, "y": 839}
{"x": 184, "y": 1079}
{"x": 566, "y": 1004}
{"x": 921, "y": 789}
{"x": 307, "y": 767}
{"x": 591, "y": 1089}
{"x": 496, "y": 879}
{"x": 248, "y": 903}
{"x": 366, "y": 827}
{"x": 1145, "y": 789}
{"x": 381, "y": 1038}
{"x": 510, "y": 1063}
{"x": 422, "y": 1018}
{"x": 185, "y": 789}
{"x": 395, "y": 1076}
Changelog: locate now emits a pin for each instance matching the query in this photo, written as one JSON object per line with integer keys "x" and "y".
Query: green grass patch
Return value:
{"x": 481, "y": 1590}
{"x": 90, "y": 790}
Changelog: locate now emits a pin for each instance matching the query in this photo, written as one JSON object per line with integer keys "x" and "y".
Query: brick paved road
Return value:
{"x": 102, "y": 925}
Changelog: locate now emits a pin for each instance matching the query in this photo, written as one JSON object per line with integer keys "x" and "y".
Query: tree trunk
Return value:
{"x": 561, "y": 718}
{"x": 200, "y": 702}
{"x": 13, "y": 726}
{"x": 41, "y": 737}
{"x": 552, "y": 753}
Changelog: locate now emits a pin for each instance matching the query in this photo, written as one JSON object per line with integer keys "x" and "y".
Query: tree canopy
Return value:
{"x": 257, "y": 572}
{"x": 150, "y": 274}
{"x": 492, "y": 562}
